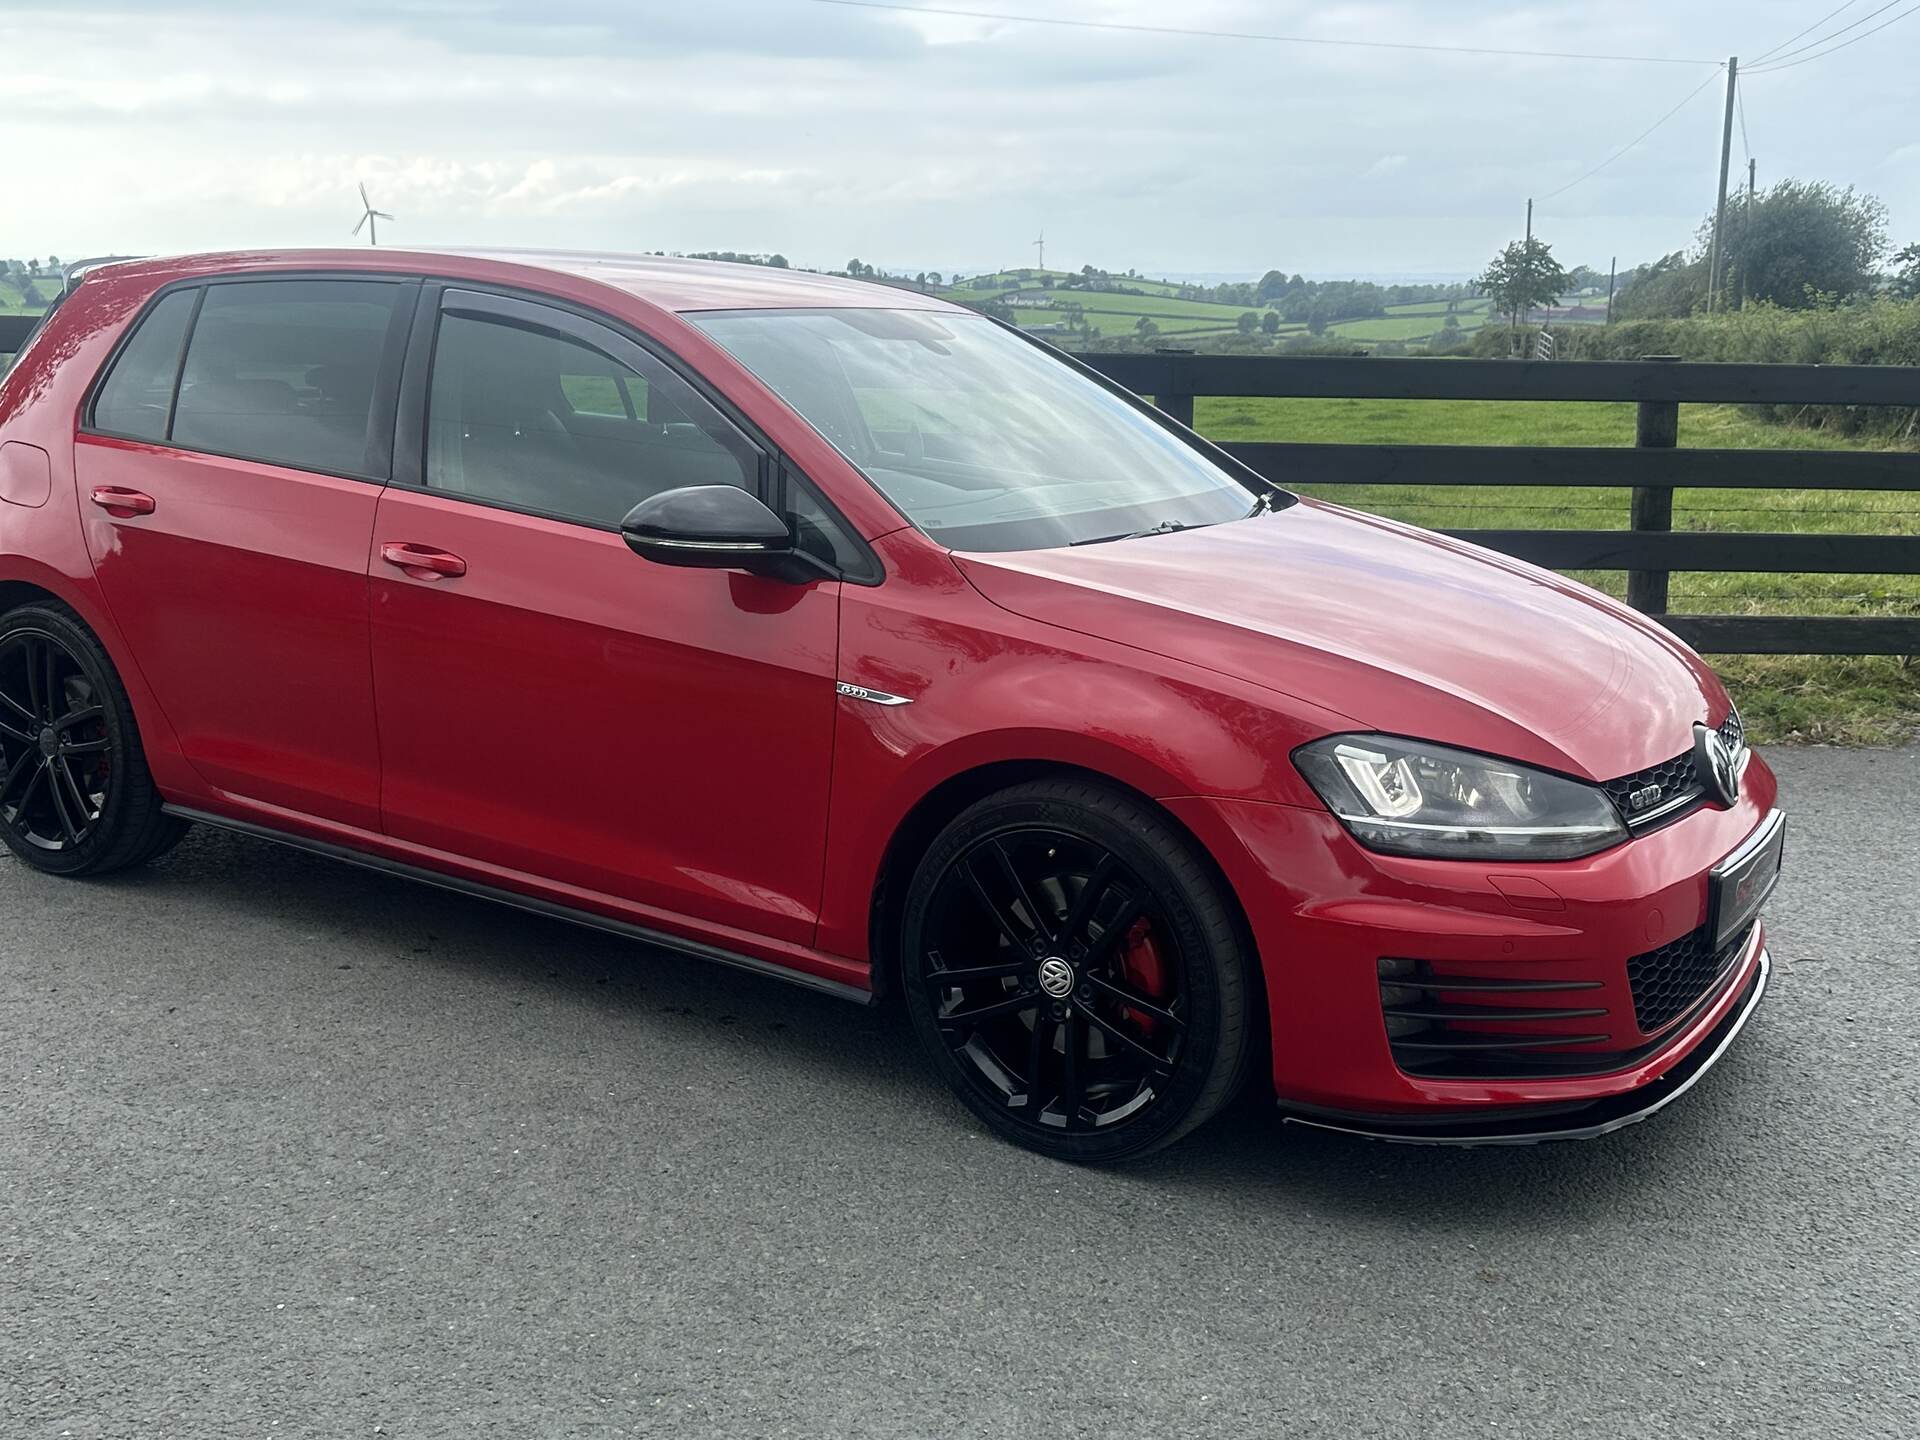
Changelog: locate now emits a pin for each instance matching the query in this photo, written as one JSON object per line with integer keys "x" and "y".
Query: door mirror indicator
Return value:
{"x": 717, "y": 527}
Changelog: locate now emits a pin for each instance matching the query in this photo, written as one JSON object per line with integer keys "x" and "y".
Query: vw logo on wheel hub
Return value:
{"x": 1056, "y": 977}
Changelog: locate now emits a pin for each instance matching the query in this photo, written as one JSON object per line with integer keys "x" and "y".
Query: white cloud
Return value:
{"x": 825, "y": 132}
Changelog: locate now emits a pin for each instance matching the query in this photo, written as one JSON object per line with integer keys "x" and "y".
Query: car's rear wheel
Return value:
{"x": 1074, "y": 970}
{"x": 75, "y": 794}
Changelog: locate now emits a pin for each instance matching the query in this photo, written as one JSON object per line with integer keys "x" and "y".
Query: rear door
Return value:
{"x": 553, "y": 704}
{"x": 229, "y": 467}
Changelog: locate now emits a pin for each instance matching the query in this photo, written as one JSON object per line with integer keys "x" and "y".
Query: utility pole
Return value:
{"x": 1746, "y": 228}
{"x": 1529, "y": 222}
{"x": 1720, "y": 208}
{"x": 1613, "y": 269}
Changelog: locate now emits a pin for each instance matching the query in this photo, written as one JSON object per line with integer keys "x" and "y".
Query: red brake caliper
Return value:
{"x": 1144, "y": 969}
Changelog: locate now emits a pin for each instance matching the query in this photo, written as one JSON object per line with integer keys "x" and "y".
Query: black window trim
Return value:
{"x": 387, "y": 380}
{"x": 594, "y": 329}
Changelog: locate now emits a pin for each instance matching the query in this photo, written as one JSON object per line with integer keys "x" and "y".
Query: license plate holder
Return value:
{"x": 1739, "y": 885}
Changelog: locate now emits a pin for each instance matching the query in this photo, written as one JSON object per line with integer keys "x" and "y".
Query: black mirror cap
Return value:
{"x": 709, "y": 527}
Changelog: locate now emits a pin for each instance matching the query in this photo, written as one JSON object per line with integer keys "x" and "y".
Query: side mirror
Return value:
{"x": 715, "y": 527}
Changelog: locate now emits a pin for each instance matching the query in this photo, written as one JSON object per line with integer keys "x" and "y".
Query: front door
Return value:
{"x": 553, "y": 704}
{"x": 229, "y": 499}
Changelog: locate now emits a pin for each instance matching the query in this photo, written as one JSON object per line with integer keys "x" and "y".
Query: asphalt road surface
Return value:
{"x": 288, "y": 1148}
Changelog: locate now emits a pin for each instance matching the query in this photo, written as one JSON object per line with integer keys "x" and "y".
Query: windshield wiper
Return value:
{"x": 1262, "y": 504}
{"x": 1165, "y": 527}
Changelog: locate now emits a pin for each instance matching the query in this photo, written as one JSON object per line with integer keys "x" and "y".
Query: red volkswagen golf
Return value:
{"x": 835, "y": 632}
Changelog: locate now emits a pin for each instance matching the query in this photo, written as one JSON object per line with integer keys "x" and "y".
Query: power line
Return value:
{"x": 1638, "y": 138}
{"x": 905, "y": 9}
{"x": 1740, "y": 100}
{"x": 1818, "y": 54}
{"x": 1834, "y": 35}
{"x": 1815, "y": 26}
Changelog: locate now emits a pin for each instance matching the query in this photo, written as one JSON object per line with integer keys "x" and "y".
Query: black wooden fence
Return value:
{"x": 1649, "y": 550}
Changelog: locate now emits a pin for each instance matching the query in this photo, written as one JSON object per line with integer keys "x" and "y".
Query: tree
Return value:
{"x": 1247, "y": 323}
{"x": 1671, "y": 286}
{"x": 1270, "y": 323}
{"x": 1906, "y": 273}
{"x": 777, "y": 262}
{"x": 1523, "y": 275}
{"x": 1317, "y": 321}
{"x": 1802, "y": 236}
{"x": 1145, "y": 327}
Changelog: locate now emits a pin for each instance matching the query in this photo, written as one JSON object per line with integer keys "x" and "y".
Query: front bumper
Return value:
{"x": 1326, "y": 913}
{"x": 1582, "y": 1122}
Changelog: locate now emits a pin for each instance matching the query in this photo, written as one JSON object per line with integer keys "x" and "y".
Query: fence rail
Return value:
{"x": 1650, "y": 550}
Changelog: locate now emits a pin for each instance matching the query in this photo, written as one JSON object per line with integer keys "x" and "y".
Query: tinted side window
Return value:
{"x": 543, "y": 423}
{"x": 285, "y": 371}
{"x": 139, "y": 390}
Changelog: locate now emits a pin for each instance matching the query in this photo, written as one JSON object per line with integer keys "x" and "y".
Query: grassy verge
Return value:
{"x": 1839, "y": 699}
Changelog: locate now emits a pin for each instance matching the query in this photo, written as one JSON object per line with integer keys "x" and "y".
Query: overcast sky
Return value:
{"x": 827, "y": 132}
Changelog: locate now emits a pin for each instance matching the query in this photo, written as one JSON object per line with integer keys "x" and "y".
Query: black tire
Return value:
{"x": 91, "y": 808}
{"x": 1131, "y": 911}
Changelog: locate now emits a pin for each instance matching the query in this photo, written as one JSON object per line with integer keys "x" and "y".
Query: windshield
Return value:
{"x": 982, "y": 439}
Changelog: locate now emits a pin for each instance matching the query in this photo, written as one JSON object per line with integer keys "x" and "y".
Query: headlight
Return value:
{"x": 1410, "y": 798}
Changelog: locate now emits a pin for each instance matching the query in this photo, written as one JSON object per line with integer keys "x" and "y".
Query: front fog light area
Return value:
{"x": 1401, "y": 997}
{"x": 1406, "y": 797}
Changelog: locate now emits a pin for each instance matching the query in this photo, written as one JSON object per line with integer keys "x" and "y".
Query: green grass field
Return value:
{"x": 12, "y": 304}
{"x": 1861, "y": 700}
{"x": 1122, "y": 323}
{"x": 1400, "y": 327}
{"x": 1116, "y": 314}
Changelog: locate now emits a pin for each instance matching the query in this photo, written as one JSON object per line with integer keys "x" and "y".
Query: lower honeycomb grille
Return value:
{"x": 1666, "y": 982}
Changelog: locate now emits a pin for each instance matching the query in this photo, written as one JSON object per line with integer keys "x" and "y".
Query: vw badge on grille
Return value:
{"x": 1719, "y": 771}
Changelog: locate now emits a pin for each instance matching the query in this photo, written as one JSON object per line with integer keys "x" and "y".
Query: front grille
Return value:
{"x": 1667, "y": 982}
{"x": 1676, "y": 778}
{"x": 1681, "y": 787}
{"x": 1733, "y": 732}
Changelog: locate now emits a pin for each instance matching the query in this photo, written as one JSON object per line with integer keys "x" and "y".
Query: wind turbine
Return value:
{"x": 367, "y": 221}
{"x": 1041, "y": 246}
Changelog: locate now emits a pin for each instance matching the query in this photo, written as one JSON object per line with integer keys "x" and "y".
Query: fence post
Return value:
{"x": 1656, "y": 427}
{"x": 1173, "y": 402}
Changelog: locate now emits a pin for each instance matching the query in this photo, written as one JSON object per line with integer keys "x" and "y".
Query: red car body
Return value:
{"x": 289, "y": 678}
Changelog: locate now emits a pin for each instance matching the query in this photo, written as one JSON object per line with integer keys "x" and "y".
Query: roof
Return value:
{"x": 666, "y": 281}
{"x": 679, "y": 284}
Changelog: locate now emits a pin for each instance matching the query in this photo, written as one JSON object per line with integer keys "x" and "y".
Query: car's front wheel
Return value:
{"x": 1075, "y": 971}
{"x": 75, "y": 795}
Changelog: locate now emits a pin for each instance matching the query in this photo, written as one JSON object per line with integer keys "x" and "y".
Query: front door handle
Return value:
{"x": 121, "y": 503}
{"x": 422, "y": 562}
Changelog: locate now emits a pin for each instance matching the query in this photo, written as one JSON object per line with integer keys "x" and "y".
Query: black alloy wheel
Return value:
{"x": 75, "y": 795}
{"x": 53, "y": 738}
{"x": 1075, "y": 972}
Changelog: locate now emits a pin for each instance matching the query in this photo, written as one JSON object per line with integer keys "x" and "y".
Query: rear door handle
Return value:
{"x": 121, "y": 503}
{"x": 422, "y": 562}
